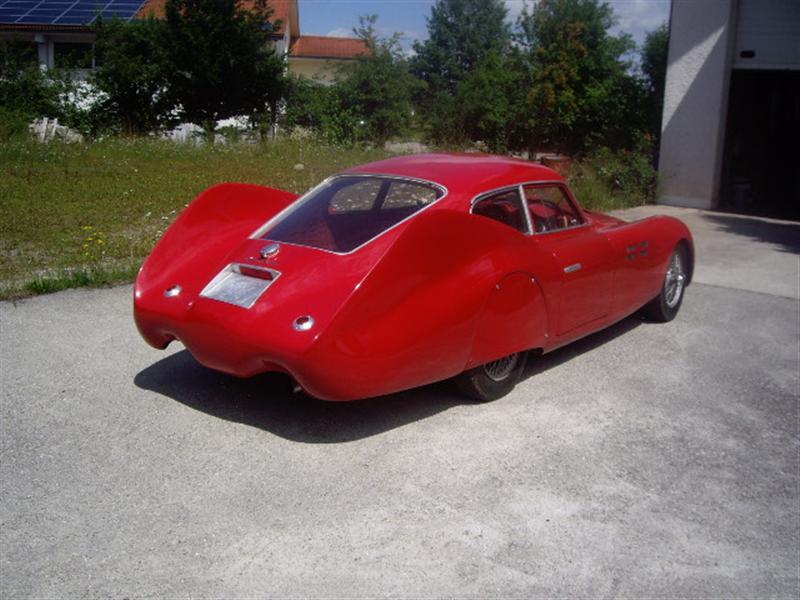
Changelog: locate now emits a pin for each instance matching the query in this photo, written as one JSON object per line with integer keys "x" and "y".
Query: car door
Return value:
{"x": 582, "y": 255}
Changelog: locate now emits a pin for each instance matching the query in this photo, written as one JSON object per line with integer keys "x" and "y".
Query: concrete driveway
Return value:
{"x": 647, "y": 460}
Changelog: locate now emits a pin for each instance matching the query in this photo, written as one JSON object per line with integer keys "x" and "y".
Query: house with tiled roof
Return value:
{"x": 317, "y": 56}
{"x": 61, "y": 32}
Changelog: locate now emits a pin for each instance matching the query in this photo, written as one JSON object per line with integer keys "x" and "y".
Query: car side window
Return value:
{"x": 504, "y": 208}
{"x": 550, "y": 208}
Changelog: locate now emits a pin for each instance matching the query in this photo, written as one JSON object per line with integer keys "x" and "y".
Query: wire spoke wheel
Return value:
{"x": 492, "y": 380}
{"x": 674, "y": 280}
{"x": 499, "y": 370}
{"x": 665, "y": 306}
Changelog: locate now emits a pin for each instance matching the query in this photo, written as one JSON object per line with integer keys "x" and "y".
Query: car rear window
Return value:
{"x": 350, "y": 210}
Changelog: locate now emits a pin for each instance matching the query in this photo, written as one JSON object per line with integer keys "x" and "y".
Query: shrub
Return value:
{"x": 12, "y": 124}
{"x": 608, "y": 179}
{"x": 25, "y": 91}
{"x": 28, "y": 93}
{"x": 306, "y": 103}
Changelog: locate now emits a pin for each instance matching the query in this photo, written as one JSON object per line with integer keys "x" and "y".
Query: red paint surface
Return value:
{"x": 440, "y": 293}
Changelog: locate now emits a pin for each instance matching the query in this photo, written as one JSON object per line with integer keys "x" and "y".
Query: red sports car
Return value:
{"x": 403, "y": 272}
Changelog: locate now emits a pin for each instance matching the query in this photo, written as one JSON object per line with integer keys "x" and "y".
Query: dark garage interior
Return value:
{"x": 761, "y": 161}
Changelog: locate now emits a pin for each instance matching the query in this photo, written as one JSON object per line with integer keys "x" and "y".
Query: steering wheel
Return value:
{"x": 560, "y": 220}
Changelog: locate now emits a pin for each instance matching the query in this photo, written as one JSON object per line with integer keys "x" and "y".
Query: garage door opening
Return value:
{"x": 761, "y": 169}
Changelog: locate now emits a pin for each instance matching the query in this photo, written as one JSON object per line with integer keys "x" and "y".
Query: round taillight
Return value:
{"x": 303, "y": 323}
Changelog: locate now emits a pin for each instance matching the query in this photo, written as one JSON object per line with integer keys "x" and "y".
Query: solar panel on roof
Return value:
{"x": 65, "y": 12}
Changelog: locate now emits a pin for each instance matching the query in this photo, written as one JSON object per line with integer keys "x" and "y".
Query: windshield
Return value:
{"x": 348, "y": 211}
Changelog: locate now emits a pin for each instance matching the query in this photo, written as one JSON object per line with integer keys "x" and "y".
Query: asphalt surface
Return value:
{"x": 647, "y": 460}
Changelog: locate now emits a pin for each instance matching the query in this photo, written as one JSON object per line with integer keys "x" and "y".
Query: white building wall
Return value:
{"x": 695, "y": 101}
{"x": 769, "y": 30}
{"x": 708, "y": 39}
{"x": 322, "y": 70}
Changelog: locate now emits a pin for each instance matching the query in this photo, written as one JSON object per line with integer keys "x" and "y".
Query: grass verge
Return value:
{"x": 91, "y": 277}
{"x": 86, "y": 215}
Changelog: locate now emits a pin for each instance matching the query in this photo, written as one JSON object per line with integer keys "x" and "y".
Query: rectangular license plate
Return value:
{"x": 233, "y": 286}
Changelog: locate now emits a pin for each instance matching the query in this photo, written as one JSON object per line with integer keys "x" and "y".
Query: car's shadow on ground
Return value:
{"x": 267, "y": 401}
{"x": 786, "y": 236}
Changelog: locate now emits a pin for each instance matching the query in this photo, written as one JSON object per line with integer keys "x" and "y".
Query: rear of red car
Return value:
{"x": 246, "y": 297}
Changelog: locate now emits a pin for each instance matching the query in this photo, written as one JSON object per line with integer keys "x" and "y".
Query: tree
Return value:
{"x": 133, "y": 75}
{"x": 580, "y": 90}
{"x": 461, "y": 35}
{"x": 654, "y": 68}
{"x": 487, "y": 102}
{"x": 222, "y": 60}
{"x": 377, "y": 87}
{"x": 27, "y": 92}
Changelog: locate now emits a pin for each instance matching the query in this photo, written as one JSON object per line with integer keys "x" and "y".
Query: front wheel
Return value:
{"x": 494, "y": 379}
{"x": 665, "y": 306}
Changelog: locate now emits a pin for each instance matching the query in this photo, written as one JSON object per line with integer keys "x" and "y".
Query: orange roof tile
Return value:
{"x": 318, "y": 46}
{"x": 282, "y": 10}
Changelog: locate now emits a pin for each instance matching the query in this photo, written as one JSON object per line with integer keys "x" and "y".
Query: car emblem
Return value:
{"x": 269, "y": 250}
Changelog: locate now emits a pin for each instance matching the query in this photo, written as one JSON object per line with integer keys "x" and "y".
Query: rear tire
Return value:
{"x": 493, "y": 380}
{"x": 666, "y": 305}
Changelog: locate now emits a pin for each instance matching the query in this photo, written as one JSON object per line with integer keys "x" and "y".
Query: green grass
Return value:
{"x": 79, "y": 215}
{"x": 88, "y": 277}
{"x": 87, "y": 215}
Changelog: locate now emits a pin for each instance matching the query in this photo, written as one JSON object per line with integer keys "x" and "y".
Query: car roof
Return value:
{"x": 462, "y": 173}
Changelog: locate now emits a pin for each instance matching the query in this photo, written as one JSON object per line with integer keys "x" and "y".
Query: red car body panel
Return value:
{"x": 440, "y": 292}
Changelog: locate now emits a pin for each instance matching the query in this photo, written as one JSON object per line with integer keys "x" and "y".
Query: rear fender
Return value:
{"x": 414, "y": 318}
{"x": 195, "y": 247}
{"x": 206, "y": 232}
{"x": 514, "y": 319}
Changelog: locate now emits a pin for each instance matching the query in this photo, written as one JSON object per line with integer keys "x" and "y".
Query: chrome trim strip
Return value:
{"x": 258, "y": 233}
{"x": 570, "y": 228}
{"x": 521, "y": 187}
{"x": 525, "y": 211}
{"x": 573, "y": 268}
{"x": 506, "y": 188}
{"x": 500, "y": 190}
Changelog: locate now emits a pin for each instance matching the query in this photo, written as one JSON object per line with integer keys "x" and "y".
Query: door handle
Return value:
{"x": 573, "y": 268}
